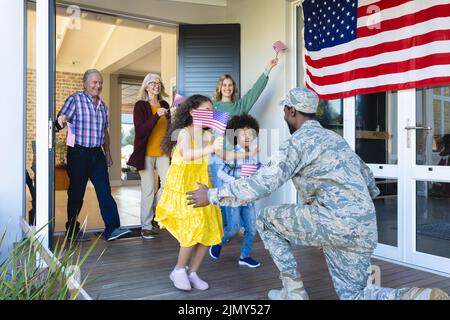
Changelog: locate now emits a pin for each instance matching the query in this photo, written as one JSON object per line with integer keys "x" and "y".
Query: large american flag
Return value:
{"x": 214, "y": 119}
{"x": 365, "y": 46}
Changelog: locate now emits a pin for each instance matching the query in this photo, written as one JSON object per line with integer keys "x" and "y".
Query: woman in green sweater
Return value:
{"x": 225, "y": 100}
{"x": 226, "y": 92}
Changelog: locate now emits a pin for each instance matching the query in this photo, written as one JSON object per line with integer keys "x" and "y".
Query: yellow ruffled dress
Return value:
{"x": 187, "y": 224}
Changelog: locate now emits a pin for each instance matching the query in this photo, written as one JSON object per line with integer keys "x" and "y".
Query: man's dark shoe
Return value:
{"x": 117, "y": 233}
{"x": 149, "y": 234}
{"x": 78, "y": 237}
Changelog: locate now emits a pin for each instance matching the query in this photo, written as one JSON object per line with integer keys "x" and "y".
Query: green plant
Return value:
{"x": 23, "y": 278}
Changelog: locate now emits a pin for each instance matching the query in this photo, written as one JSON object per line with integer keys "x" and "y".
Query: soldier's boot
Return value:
{"x": 424, "y": 294}
{"x": 293, "y": 289}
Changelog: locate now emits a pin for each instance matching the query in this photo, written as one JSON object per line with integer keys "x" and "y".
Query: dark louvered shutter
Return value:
{"x": 205, "y": 53}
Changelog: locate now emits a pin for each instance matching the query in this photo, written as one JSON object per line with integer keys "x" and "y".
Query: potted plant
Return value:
{"x": 22, "y": 278}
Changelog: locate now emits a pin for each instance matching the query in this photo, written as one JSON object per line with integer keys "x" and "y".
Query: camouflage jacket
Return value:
{"x": 330, "y": 178}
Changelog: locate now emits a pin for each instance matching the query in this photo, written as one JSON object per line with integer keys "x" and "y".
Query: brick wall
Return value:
{"x": 66, "y": 84}
{"x": 31, "y": 116}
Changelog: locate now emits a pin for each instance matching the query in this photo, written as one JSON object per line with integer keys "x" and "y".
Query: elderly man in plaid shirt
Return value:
{"x": 89, "y": 157}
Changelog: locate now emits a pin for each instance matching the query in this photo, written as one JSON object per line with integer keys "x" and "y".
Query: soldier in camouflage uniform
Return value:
{"x": 336, "y": 211}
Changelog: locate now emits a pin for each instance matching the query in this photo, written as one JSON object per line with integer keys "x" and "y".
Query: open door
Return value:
{"x": 205, "y": 53}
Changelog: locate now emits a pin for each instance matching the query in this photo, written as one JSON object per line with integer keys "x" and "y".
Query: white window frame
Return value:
{"x": 405, "y": 171}
{"x": 43, "y": 127}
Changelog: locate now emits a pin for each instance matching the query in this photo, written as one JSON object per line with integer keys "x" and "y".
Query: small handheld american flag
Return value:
{"x": 249, "y": 169}
{"x": 213, "y": 119}
{"x": 179, "y": 99}
{"x": 279, "y": 46}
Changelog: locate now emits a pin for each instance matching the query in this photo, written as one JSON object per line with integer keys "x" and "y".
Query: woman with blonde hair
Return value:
{"x": 151, "y": 119}
{"x": 225, "y": 99}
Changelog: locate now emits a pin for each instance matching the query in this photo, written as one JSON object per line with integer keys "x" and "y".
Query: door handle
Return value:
{"x": 50, "y": 135}
{"x": 418, "y": 128}
{"x": 408, "y": 139}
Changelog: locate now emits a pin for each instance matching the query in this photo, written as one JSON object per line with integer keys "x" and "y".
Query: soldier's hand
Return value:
{"x": 199, "y": 197}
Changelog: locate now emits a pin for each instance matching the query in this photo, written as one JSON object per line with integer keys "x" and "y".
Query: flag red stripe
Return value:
{"x": 438, "y": 11}
{"x": 392, "y": 46}
{"x": 384, "y": 88}
{"x": 382, "y": 5}
{"x": 387, "y": 68}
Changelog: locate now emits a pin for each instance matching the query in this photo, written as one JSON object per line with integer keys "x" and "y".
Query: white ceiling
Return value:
{"x": 221, "y": 3}
{"x": 106, "y": 43}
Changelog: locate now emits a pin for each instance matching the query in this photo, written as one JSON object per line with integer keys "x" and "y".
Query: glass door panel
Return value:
{"x": 428, "y": 179}
{"x": 376, "y": 128}
{"x": 386, "y": 205}
{"x": 433, "y": 119}
{"x": 433, "y": 218}
{"x": 376, "y": 142}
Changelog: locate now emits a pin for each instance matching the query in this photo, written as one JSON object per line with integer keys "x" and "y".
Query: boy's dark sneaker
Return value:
{"x": 214, "y": 251}
{"x": 249, "y": 262}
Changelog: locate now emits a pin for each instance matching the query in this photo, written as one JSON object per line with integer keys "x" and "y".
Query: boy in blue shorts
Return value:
{"x": 244, "y": 129}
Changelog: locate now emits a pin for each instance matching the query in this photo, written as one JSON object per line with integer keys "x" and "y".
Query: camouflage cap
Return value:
{"x": 302, "y": 99}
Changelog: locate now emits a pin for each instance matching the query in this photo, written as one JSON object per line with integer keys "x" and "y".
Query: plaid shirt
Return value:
{"x": 233, "y": 168}
{"x": 86, "y": 120}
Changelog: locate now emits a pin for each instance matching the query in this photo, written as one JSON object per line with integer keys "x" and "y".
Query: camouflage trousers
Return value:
{"x": 282, "y": 226}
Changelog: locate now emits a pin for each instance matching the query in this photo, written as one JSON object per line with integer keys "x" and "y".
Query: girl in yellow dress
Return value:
{"x": 195, "y": 228}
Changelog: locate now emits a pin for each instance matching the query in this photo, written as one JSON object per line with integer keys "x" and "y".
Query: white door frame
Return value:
{"x": 413, "y": 173}
{"x": 406, "y": 172}
{"x": 45, "y": 97}
{"x": 379, "y": 170}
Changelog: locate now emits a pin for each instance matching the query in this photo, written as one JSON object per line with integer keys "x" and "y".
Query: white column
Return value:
{"x": 43, "y": 136}
{"x": 350, "y": 121}
{"x": 12, "y": 93}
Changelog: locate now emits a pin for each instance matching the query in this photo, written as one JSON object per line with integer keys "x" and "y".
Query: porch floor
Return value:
{"x": 138, "y": 269}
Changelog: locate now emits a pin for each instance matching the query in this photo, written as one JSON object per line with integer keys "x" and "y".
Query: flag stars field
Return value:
{"x": 403, "y": 44}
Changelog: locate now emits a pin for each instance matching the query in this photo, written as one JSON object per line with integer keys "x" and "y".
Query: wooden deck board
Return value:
{"x": 137, "y": 269}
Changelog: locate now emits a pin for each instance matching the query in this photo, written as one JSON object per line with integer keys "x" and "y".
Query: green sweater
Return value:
{"x": 244, "y": 104}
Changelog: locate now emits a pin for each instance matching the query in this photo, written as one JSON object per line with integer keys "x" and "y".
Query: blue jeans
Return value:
{"x": 213, "y": 168}
{"x": 236, "y": 215}
{"x": 83, "y": 164}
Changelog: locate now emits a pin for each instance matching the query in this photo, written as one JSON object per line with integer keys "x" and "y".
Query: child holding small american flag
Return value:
{"x": 245, "y": 130}
{"x": 189, "y": 145}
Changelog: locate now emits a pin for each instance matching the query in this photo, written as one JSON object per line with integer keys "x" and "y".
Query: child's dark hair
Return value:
{"x": 180, "y": 120}
{"x": 240, "y": 122}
